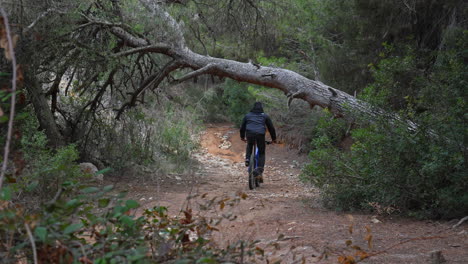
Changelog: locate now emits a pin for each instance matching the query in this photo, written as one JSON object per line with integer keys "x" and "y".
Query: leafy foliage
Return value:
{"x": 37, "y": 172}
{"x": 421, "y": 172}
{"x": 97, "y": 225}
{"x": 239, "y": 100}
{"x": 148, "y": 141}
{"x": 407, "y": 56}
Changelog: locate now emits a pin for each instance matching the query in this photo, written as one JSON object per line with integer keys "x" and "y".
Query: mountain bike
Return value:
{"x": 253, "y": 163}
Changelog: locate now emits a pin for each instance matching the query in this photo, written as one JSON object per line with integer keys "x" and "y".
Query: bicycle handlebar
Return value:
{"x": 266, "y": 141}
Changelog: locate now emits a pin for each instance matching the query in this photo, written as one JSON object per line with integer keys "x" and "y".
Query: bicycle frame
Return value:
{"x": 253, "y": 164}
{"x": 257, "y": 156}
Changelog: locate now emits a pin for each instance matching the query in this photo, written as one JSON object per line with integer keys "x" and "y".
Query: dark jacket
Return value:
{"x": 256, "y": 122}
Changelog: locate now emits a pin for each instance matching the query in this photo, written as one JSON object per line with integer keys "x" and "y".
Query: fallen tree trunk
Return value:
{"x": 291, "y": 83}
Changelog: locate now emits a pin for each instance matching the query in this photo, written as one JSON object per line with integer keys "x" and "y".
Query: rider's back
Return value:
{"x": 255, "y": 123}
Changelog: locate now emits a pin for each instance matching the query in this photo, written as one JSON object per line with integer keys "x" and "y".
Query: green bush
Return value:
{"x": 175, "y": 139}
{"x": 393, "y": 167}
{"x": 98, "y": 225}
{"x": 421, "y": 172}
{"x": 45, "y": 170}
{"x": 157, "y": 139}
{"x": 238, "y": 99}
{"x": 212, "y": 107}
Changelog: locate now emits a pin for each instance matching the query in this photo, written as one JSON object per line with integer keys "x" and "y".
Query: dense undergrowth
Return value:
{"x": 85, "y": 224}
{"x": 50, "y": 212}
{"x": 419, "y": 172}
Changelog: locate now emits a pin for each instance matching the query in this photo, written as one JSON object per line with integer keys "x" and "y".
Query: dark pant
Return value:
{"x": 259, "y": 139}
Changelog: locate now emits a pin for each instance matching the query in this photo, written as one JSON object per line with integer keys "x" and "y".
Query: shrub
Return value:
{"x": 420, "y": 172}
{"x": 238, "y": 99}
{"x": 391, "y": 166}
{"x": 40, "y": 171}
{"x": 175, "y": 139}
{"x": 98, "y": 225}
{"x": 155, "y": 138}
{"x": 212, "y": 107}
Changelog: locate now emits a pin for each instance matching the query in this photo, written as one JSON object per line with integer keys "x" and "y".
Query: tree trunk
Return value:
{"x": 43, "y": 112}
{"x": 291, "y": 83}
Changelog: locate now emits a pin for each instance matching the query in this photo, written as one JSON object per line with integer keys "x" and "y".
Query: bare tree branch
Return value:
{"x": 152, "y": 81}
{"x": 203, "y": 70}
{"x": 460, "y": 222}
{"x": 41, "y": 16}
{"x": 157, "y": 48}
{"x": 33, "y": 244}
{"x": 155, "y": 8}
{"x": 13, "y": 95}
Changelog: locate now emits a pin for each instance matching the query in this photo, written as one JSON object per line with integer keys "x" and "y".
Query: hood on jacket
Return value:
{"x": 257, "y": 108}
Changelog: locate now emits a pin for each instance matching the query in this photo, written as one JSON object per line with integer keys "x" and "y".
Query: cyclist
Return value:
{"x": 254, "y": 127}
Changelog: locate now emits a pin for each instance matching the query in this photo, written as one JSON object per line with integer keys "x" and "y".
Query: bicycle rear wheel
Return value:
{"x": 255, "y": 173}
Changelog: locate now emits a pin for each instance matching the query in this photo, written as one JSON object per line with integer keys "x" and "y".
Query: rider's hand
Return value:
{"x": 274, "y": 141}
{"x": 243, "y": 139}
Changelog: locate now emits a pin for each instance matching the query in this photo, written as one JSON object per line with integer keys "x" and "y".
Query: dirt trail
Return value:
{"x": 283, "y": 205}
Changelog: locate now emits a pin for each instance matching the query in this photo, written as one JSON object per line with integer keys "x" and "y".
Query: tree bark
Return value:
{"x": 43, "y": 113}
{"x": 291, "y": 83}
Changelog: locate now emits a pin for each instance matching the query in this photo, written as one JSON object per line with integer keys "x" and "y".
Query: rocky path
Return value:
{"x": 286, "y": 208}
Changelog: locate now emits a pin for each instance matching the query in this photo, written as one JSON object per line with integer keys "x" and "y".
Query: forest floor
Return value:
{"x": 285, "y": 206}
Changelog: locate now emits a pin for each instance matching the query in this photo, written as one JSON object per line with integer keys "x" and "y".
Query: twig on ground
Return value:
{"x": 283, "y": 239}
{"x": 402, "y": 243}
{"x": 460, "y": 222}
{"x": 33, "y": 244}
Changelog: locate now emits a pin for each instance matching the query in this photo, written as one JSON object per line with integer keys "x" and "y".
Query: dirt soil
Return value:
{"x": 285, "y": 206}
